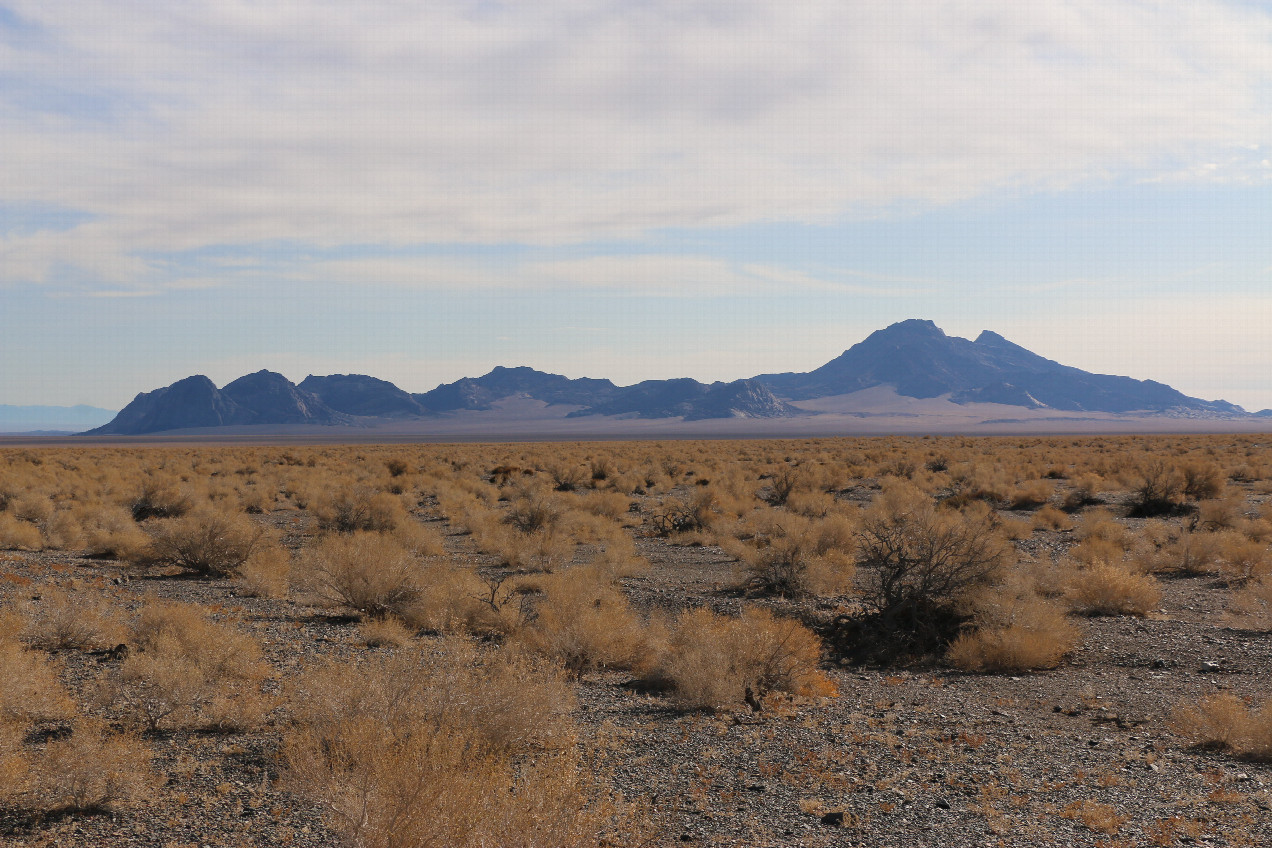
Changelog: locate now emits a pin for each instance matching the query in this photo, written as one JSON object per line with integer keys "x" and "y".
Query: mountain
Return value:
{"x": 501, "y": 382}
{"x": 64, "y": 419}
{"x": 692, "y": 401}
{"x": 261, "y": 398}
{"x": 919, "y": 360}
{"x": 358, "y": 394}
{"x": 894, "y": 367}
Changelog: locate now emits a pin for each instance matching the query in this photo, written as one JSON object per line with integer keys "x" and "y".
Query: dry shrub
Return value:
{"x": 457, "y": 600}
{"x": 1221, "y": 513}
{"x": 543, "y": 550}
{"x": 1084, "y": 491}
{"x": 208, "y": 543}
{"x": 433, "y": 747}
{"x": 1251, "y": 606}
{"x": 371, "y": 573}
{"x": 1107, "y": 588}
{"x": 386, "y": 632}
{"x": 584, "y": 623}
{"x": 1241, "y": 558}
{"x": 1030, "y": 495}
{"x": 689, "y": 514}
{"x": 112, "y": 532}
{"x": 31, "y": 507}
{"x": 61, "y": 619}
{"x": 1097, "y": 816}
{"x": 1051, "y": 518}
{"x": 359, "y": 508}
{"x": 29, "y": 687}
{"x": 1202, "y": 482}
{"x": 94, "y": 770}
{"x": 1223, "y": 722}
{"x": 1158, "y": 490}
{"x": 713, "y": 661}
{"x": 189, "y": 671}
{"x": 917, "y": 559}
{"x": 1015, "y": 631}
{"x": 158, "y": 498}
{"x": 63, "y": 532}
{"x": 811, "y": 504}
{"x": 611, "y": 505}
{"x": 1190, "y": 553}
{"x": 266, "y": 573}
{"x": 18, "y": 535}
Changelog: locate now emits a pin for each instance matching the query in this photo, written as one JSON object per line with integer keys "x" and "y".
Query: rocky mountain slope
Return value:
{"x": 914, "y": 359}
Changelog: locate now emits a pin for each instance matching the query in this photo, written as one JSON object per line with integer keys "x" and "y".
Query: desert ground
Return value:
{"x": 888, "y": 641}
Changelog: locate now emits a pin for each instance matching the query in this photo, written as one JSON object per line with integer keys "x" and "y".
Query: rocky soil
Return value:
{"x": 914, "y": 756}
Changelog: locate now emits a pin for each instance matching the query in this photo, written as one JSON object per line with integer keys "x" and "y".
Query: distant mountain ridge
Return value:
{"x": 64, "y": 419}
{"x": 915, "y": 358}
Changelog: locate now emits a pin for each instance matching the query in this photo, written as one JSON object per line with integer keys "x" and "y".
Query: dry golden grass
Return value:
{"x": 59, "y": 619}
{"x": 370, "y": 573}
{"x": 205, "y": 542}
{"x": 29, "y": 687}
{"x": 1014, "y": 631}
{"x": 713, "y": 662}
{"x": 94, "y": 770}
{"x": 430, "y": 749}
{"x": 584, "y": 623}
{"x": 1224, "y": 722}
{"x": 1107, "y": 588}
{"x": 188, "y": 672}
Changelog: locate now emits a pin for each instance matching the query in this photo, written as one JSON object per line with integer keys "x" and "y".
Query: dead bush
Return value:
{"x": 583, "y": 623}
{"x": 1014, "y": 631}
{"x": 29, "y": 687}
{"x": 188, "y": 672}
{"x": 370, "y": 573}
{"x": 1158, "y": 490}
{"x": 158, "y": 497}
{"x": 358, "y": 509}
{"x": 689, "y": 514}
{"x": 1223, "y": 722}
{"x": 713, "y": 661}
{"x": 1107, "y": 588}
{"x": 93, "y": 770}
{"x": 444, "y": 748}
{"x": 916, "y": 559}
{"x": 1202, "y": 482}
{"x": 61, "y": 619}
{"x": 207, "y": 543}
{"x": 112, "y": 532}
{"x": 266, "y": 573}
{"x": 1251, "y": 606}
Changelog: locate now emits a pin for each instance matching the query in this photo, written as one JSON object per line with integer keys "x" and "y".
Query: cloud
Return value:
{"x": 178, "y": 126}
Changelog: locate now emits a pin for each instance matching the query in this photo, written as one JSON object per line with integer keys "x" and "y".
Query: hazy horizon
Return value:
{"x": 628, "y": 190}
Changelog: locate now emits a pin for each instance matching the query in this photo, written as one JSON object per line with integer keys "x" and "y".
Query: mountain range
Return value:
{"x": 912, "y": 359}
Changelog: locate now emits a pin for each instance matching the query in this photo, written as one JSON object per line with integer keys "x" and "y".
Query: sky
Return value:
{"x": 630, "y": 189}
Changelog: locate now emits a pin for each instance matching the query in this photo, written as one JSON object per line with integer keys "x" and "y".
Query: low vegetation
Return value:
{"x": 632, "y": 643}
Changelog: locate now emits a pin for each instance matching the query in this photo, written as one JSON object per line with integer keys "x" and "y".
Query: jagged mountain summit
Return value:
{"x": 919, "y": 360}
{"x": 912, "y": 359}
{"x": 265, "y": 397}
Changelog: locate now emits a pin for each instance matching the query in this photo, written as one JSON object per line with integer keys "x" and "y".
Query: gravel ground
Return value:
{"x": 918, "y": 756}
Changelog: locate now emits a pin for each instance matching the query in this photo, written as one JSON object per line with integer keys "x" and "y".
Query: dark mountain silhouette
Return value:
{"x": 261, "y": 398}
{"x": 915, "y": 358}
{"x": 693, "y": 401}
{"x": 501, "y": 382}
{"x": 358, "y": 394}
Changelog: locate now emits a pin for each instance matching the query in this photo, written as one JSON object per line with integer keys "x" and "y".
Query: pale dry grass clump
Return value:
{"x": 386, "y": 632}
{"x": 205, "y": 542}
{"x": 584, "y": 623}
{"x": 266, "y": 573}
{"x": 82, "y": 620}
{"x": 358, "y": 508}
{"x": 713, "y": 661}
{"x": 159, "y": 496}
{"x": 1250, "y": 607}
{"x": 442, "y": 747}
{"x": 1224, "y": 722}
{"x": 370, "y": 573}
{"x": 29, "y": 687}
{"x": 187, "y": 671}
{"x": 110, "y": 531}
{"x": 1014, "y": 631}
{"x": 92, "y": 770}
{"x": 19, "y": 535}
{"x": 1108, "y": 588}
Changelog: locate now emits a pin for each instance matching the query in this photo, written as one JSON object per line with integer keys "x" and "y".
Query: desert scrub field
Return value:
{"x": 891, "y": 641}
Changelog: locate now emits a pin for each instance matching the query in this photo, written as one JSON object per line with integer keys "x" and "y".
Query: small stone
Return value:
{"x": 941, "y": 804}
{"x": 1209, "y": 666}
